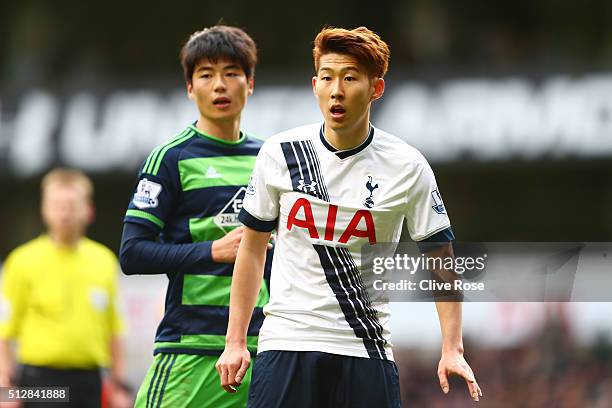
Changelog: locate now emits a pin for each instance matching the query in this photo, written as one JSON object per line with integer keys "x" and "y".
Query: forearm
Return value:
{"x": 246, "y": 283}
{"x": 7, "y": 363}
{"x": 449, "y": 307}
{"x": 450, "y": 315}
{"x": 117, "y": 360}
{"x": 141, "y": 255}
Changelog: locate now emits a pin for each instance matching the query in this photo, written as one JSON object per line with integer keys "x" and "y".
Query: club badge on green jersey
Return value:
{"x": 227, "y": 219}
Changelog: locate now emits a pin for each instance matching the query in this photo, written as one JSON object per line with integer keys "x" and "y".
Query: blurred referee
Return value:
{"x": 58, "y": 302}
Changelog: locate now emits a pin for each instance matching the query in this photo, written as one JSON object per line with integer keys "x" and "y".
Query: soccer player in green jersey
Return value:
{"x": 183, "y": 222}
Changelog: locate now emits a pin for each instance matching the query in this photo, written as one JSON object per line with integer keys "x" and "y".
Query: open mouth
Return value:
{"x": 221, "y": 102}
{"x": 337, "y": 111}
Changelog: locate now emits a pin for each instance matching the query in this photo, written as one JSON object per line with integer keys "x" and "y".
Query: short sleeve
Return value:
{"x": 425, "y": 212}
{"x": 13, "y": 296}
{"x": 260, "y": 207}
{"x": 155, "y": 193}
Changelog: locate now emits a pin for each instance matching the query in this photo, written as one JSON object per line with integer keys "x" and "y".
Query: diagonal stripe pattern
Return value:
{"x": 160, "y": 377}
{"x": 340, "y": 269}
{"x": 304, "y": 168}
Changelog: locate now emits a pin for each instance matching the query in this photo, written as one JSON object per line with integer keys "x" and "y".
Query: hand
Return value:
{"x": 5, "y": 378}
{"x": 455, "y": 364}
{"x": 232, "y": 367}
{"x": 11, "y": 405}
{"x": 7, "y": 372}
{"x": 5, "y": 381}
{"x": 120, "y": 398}
{"x": 224, "y": 249}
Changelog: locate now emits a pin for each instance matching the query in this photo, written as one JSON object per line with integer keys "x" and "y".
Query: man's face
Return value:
{"x": 66, "y": 210}
{"x": 219, "y": 89}
{"x": 344, "y": 90}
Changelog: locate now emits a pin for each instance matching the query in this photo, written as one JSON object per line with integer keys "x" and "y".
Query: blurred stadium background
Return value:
{"x": 510, "y": 101}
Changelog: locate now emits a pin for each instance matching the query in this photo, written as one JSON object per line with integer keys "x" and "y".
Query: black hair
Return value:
{"x": 219, "y": 42}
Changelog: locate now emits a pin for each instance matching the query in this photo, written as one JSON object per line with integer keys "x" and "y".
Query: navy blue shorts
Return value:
{"x": 311, "y": 379}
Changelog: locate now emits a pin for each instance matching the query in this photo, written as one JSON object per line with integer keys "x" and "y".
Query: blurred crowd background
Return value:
{"x": 548, "y": 369}
{"x": 511, "y": 102}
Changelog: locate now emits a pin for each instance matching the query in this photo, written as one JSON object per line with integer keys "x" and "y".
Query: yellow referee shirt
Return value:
{"x": 59, "y": 303}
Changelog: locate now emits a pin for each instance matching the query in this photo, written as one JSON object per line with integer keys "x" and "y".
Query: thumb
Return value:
{"x": 242, "y": 370}
{"x": 443, "y": 381}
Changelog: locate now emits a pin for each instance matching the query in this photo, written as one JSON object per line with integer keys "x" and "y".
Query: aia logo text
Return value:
{"x": 309, "y": 223}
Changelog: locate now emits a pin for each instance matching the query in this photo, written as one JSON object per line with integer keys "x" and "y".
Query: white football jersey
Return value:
{"x": 326, "y": 204}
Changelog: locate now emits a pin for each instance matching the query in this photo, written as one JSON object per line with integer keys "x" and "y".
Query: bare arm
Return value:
{"x": 246, "y": 282}
{"x": 450, "y": 316}
{"x": 117, "y": 361}
{"x": 7, "y": 371}
{"x": 121, "y": 393}
{"x": 7, "y": 363}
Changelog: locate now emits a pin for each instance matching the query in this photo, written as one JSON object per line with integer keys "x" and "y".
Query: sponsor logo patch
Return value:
{"x": 212, "y": 173}
{"x": 250, "y": 190}
{"x": 306, "y": 188}
{"x": 439, "y": 205}
{"x": 98, "y": 298}
{"x": 146, "y": 194}
{"x": 227, "y": 219}
{"x": 5, "y": 309}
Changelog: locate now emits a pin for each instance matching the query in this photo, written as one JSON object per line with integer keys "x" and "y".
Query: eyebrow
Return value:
{"x": 209, "y": 68}
{"x": 351, "y": 68}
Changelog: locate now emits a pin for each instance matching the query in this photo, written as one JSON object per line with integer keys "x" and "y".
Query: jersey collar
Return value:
{"x": 343, "y": 154}
{"x": 216, "y": 139}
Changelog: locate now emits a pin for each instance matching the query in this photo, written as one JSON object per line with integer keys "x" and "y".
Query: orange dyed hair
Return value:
{"x": 361, "y": 43}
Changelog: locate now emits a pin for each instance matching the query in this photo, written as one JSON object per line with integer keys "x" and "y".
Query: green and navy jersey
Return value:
{"x": 190, "y": 189}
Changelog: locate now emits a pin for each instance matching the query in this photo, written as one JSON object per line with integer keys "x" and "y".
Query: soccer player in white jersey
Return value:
{"x": 328, "y": 189}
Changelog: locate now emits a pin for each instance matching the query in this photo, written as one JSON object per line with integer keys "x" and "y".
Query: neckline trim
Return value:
{"x": 343, "y": 154}
{"x": 216, "y": 139}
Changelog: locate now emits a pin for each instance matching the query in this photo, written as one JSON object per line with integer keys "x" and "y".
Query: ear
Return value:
{"x": 379, "y": 89}
{"x": 251, "y": 82}
{"x": 43, "y": 209}
{"x": 190, "y": 90}
{"x": 91, "y": 213}
{"x": 314, "y": 85}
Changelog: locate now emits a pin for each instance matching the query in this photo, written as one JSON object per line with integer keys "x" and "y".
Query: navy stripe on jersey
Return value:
{"x": 371, "y": 313}
{"x": 340, "y": 270}
{"x": 192, "y": 200}
{"x": 190, "y": 319}
{"x": 303, "y": 176}
{"x": 295, "y": 170}
{"x": 345, "y": 261}
{"x": 250, "y": 147}
{"x": 194, "y": 351}
{"x": 306, "y": 158}
{"x": 316, "y": 166}
{"x": 158, "y": 153}
{"x": 351, "y": 305}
